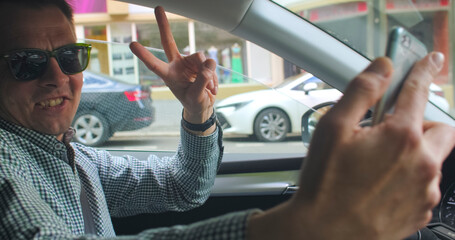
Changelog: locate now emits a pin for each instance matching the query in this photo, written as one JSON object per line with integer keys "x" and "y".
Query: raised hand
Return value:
{"x": 377, "y": 182}
{"x": 192, "y": 79}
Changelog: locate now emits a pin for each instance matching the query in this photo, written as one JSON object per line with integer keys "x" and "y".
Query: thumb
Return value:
{"x": 362, "y": 93}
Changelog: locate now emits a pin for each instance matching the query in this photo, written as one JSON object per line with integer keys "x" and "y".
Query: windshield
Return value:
{"x": 364, "y": 26}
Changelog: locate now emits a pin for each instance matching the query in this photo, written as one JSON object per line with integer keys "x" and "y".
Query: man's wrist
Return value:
{"x": 201, "y": 127}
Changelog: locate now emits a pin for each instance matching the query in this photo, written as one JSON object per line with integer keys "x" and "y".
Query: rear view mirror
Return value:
{"x": 311, "y": 118}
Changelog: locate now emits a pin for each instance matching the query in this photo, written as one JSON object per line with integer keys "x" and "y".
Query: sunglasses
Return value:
{"x": 30, "y": 63}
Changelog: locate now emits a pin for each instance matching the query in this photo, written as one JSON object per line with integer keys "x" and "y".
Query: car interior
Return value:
{"x": 292, "y": 30}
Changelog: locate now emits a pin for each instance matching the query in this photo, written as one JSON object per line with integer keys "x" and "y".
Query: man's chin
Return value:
{"x": 56, "y": 131}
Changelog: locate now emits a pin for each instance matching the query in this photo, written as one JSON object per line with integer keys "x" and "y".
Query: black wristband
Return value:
{"x": 200, "y": 127}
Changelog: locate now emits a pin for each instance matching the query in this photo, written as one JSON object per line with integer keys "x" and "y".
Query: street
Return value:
{"x": 163, "y": 135}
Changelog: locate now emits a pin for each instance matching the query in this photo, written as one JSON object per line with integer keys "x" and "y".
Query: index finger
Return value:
{"x": 413, "y": 97}
{"x": 153, "y": 63}
{"x": 167, "y": 40}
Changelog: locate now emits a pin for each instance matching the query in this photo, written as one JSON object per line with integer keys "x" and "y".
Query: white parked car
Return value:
{"x": 437, "y": 98}
{"x": 270, "y": 114}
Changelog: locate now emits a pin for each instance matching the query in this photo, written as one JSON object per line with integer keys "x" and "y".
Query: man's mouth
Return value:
{"x": 51, "y": 102}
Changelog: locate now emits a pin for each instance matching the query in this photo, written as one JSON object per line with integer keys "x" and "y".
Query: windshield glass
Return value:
{"x": 262, "y": 97}
{"x": 365, "y": 25}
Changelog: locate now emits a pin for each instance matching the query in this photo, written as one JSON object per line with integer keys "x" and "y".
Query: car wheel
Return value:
{"x": 271, "y": 125}
{"x": 92, "y": 129}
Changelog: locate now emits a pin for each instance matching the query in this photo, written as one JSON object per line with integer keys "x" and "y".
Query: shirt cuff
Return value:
{"x": 200, "y": 147}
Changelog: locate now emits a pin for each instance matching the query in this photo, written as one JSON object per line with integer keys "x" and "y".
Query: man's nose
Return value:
{"x": 53, "y": 75}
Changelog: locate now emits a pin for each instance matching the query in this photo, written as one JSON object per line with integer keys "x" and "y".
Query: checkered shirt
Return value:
{"x": 41, "y": 180}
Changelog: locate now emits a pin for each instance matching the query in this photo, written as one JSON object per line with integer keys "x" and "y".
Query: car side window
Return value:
{"x": 144, "y": 115}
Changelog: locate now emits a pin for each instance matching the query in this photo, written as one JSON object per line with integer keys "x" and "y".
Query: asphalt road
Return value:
{"x": 163, "y": 135}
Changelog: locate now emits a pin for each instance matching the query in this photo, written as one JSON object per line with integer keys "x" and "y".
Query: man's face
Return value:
{"x": 47, "y": 104}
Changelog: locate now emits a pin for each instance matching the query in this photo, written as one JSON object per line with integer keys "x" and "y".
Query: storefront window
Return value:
{"x": 227, "y": 50}
{"x": 148, "y": 34}
{"x": 122, "y": 59}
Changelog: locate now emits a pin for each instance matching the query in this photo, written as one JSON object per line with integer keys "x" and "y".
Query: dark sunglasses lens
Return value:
{"x": 28, "y": 64}
{"x": 73, "y": 59}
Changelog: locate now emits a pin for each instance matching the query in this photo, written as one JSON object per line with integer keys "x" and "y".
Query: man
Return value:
{"x": 75, "y": 189}
{"x": 370, "y": 201}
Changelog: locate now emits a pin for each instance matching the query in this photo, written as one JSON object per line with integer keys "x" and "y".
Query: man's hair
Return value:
{"x": 63, "y": 5}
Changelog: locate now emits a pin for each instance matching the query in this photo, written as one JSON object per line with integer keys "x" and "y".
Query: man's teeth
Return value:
{"x": 51, "y": 103}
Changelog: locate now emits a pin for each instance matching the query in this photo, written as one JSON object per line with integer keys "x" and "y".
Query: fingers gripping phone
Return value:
{"x": 404, "y": 50}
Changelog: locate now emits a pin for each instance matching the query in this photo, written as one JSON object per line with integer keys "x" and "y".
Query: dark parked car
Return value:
{"x": 108, "y": 106}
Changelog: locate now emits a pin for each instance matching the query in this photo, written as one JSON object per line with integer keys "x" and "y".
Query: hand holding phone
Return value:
{"x": 404, "y": 50}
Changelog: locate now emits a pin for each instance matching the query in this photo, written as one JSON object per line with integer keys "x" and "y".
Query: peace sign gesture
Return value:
{"x": 192, "y": 79}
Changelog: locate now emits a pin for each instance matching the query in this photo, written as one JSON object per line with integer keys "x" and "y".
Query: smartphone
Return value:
{"x": 404, "y": 50}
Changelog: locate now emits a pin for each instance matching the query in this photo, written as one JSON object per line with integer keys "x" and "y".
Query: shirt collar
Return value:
{"x": 37, "y": 138}
{"x": 68, "y": 135}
